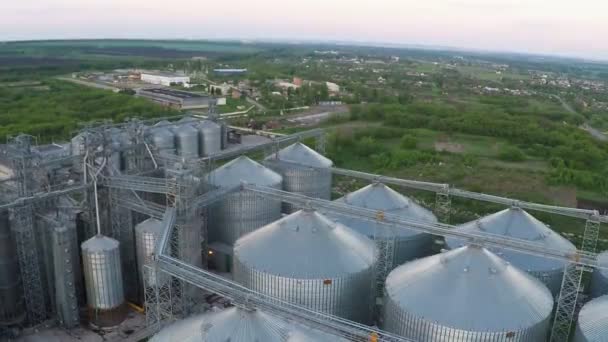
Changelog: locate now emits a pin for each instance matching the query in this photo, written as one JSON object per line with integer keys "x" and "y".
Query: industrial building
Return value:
{"x": 175, "y": 98}
{"x": 164, "y": 78}
{"x": 166, "y": 221}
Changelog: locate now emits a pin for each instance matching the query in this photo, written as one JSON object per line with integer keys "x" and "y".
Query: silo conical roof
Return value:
{"x": 299, "y": 153}
{"x": 378, "y": 196}
{"x": 243, "y": 169}
{"x": 592, "y": 323}
{"x": 471, "y": 289}
{"x": 306, "y": 245}
{"x": 100, "y": 243}
{"x": 517, "y": 223}
{"x": 232, "y": 324}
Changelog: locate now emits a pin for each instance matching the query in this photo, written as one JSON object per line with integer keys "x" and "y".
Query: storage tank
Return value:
{"x": 516, "y": 223}
{"x": 238, "y": 325}
{"x": 309, "y": 260}
{"x": 243, "y": 211}
{"x": 409, "y": 244}
{"x": 103, "y": 281}
{"x": 599, "y": 281}
{"x": 466, "y": 294}
{"x": 186, "y": 140}
{"x": 210, "y": 138}
{"x": 299, "y": 165}
{"x": 147, "y": 234}
{"x": 11, "y": 290}
{"x": 592, "y": 323}
{"x": 162, "y": 137}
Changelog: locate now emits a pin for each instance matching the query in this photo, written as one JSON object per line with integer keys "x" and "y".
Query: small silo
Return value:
{"x": 304, "y": 172}
{"x": 162, "y": 137}
{"x": 242, "y": 212}
{"x": 409, "y": 244}
{"x": 210, "y": 138}
{"x": 103, "y": 281}
{"x": 592, "y": 323}
{"x": 466, "y": 294}
{"x": 186, "y": 140}
{"x": 233, "y": 324}
{"x": 147, "y": 235}
{"x": 309, "y": 260}
{"x": 11, "y": 291}
{"x": 599, "y": 281}
{"x": 516, "y": 223}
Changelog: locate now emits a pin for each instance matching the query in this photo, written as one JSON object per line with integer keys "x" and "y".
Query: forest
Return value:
{"x": 53, "y": 110}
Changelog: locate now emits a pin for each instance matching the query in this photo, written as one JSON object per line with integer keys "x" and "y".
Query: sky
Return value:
{"x": 563, "y": 27}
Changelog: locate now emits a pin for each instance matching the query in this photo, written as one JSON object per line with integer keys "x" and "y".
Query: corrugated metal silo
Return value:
{"x": 516, "y": 223}
{"x": 66, "y": 275}
{"x": 409, "y": 244}
{"x": 210, "y": 138}
{"x": 147, "y": 234}
{"x": 599, "y": 281}
{"x": 466, "y": 294}
{"x": 186, "y": 140}
{"x": 309, "y": 260}
{"x": 301, "y": 173}
{"x": 232, "y": 324}
{"x": 103, "y": 280}
{"x": 11, "y": 290}
{"x": 239, "y": 325}
{"x": 162, "y": 137}
{"x": 592, "y": 323}
{"x": 242, "y": 212}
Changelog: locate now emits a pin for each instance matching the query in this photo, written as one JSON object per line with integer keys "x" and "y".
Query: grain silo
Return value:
{"x": 408, "y": 244}
{"x": 162, "y": 137}
{"x": 304, "y": 172}
{"x": 147, "y": 235}
{"x": 186, "y": 140}
{"x": 516, "y": 223}
{"x": 210, "y": 138}
{"x": 309, "y": 260}
{"x": 103, "y": 281}
{"x": 242, "y": 212}
{"x": 233, "y": 324}
{"x": 599, "y": 281}
{"x": 466, "y": 294}
{"x": 592, "y": 323}
{"x": 11, "y": 290}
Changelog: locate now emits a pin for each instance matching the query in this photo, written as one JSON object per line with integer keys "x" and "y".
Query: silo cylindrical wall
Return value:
{"x": 409, "y": 326}
{"x": 348, "y": 297}
{"x": 240, "y": 213}
{"x": 303, "y": 180}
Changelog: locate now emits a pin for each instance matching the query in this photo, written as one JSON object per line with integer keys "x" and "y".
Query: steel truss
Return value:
{"x": 23, "y": 162}
{"x": 565, "y": 314}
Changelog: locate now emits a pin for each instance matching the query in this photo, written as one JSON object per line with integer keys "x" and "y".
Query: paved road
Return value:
{"x": 88, "y": 84}
{"x": 594, "y": 132}
{"x": 257, "y": 104}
